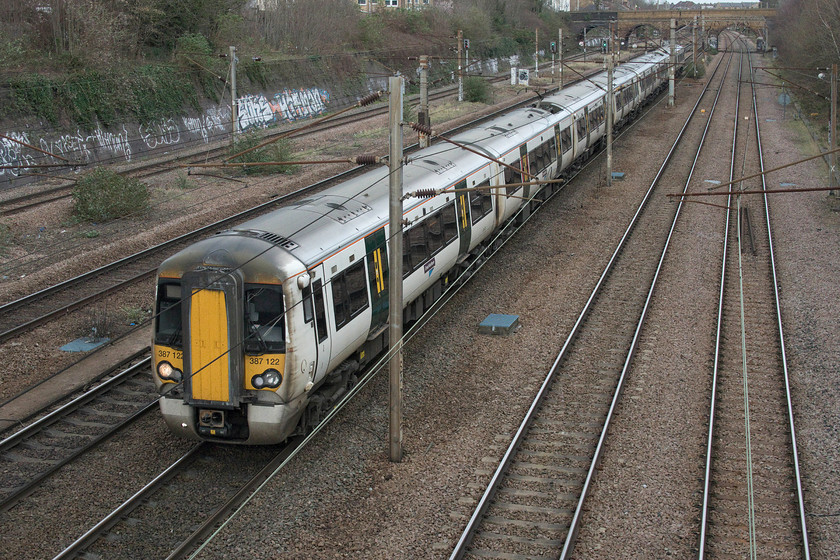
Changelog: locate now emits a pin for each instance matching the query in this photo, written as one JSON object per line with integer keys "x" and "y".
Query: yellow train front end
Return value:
{"x": 222, "y": 360}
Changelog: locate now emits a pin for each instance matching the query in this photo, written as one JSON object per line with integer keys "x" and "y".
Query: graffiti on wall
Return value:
{"x": 12, "y": 153}
{"x": 286, "y": 106}
{"x": 99, "y": 145}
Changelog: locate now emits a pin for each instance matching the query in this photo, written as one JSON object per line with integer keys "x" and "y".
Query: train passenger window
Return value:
{"x": 512, "y": 176}
{"x": 450, "y": 223}
{"x": 435, "y": 233}
{"x": 581, "y": 128}
{"x": 320, "y": 310}
{"x": 417, "y": 245}
{"x": 566, "y": 139}
{"x": 357, "y": 288}
{"x": 168, "y": 312}
{"x": 349, "y": 292}
{"x": 427, "y": 238}
{"x": 481, "y": 202}
{"x": 264, "y": 321}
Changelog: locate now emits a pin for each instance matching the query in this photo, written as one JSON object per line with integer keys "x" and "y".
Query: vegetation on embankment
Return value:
{"x": 92, "y": 62}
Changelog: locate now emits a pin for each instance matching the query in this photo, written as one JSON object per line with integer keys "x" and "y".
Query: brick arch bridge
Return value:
{"x": 711, "y": 21}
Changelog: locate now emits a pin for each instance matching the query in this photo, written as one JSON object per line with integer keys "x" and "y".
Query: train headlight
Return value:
{"x": 272, "y": 378}
{"x": 269, "y": 379}
{"x": 166, "y": 371}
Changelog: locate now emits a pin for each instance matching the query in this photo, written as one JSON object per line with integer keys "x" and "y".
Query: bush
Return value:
{"x": 103, "y": 195}
{"x": 476, "y": 90}
{"x": 279, "y": 150}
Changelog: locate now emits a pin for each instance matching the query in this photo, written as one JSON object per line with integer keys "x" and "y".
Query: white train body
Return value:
{"x": 257, "y": 323}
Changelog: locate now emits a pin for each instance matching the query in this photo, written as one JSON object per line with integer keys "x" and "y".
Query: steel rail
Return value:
{"x": 777, "y": 301}
{"x": 571, "y": 538}
{"x": 75, "y": 404}
{"x": 707, "y": 482}
{"x": 137, "y": 499}
{"x": 221, "y": 513}
{"x": 32, "y": 429}
{"x": 484, "y": 503}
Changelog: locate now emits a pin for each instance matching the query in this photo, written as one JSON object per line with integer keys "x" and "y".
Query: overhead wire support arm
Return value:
{"x": 358, "y": 160}
{"x": 765, "y": 172}
{"x": 367, "y": 100}
{"x": 794, "y": 84}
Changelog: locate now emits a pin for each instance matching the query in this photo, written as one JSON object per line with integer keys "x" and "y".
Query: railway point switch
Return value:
{"x": 499, "y": 324}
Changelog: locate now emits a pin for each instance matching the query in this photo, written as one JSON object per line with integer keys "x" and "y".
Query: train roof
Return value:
{"x": 316, "y": 227}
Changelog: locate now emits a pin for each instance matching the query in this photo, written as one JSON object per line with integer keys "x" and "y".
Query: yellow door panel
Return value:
{"x": 209, "y": 346}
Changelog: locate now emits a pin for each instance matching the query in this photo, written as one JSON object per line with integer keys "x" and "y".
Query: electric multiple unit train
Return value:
{"x": 260, "y": 329}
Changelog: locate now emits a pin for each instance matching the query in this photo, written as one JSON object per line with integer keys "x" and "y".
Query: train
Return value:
{"x": 259, "y": 330}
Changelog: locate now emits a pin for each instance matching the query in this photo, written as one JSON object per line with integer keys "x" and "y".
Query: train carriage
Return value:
{"x": 261, "y": 329}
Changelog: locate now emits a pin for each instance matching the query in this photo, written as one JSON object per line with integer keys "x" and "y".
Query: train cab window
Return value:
{"x": 481, "y": 202}
{"x": 349, "y": 291}
{"x": 320, "y": 310}
{"x": 306, "y": 297}
{"x": 265, "y": 324}
{"x": 168, "y": 312}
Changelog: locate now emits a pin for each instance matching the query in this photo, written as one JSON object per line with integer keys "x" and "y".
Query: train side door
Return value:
{"x": 377, "y": 261}
{"x": 321, "y": 323}
{"x": 525, "y": 165}
{"x": 462, "y": 206}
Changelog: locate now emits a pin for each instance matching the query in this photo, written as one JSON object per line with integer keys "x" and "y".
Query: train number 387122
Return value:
{"x": 260, "y": 361}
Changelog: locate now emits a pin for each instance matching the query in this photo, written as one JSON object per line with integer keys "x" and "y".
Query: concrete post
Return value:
{"x": 694, "y": 46}
{"x": 423, "y": 114}
{"x": 610, "y": 117}
{"x": 395, "y": 269}
{"x": 672, "y": 72}
{"x": 460, "y": 66}
{"x": 560, "y": 48}
{"x": 234, "y": 107}
{"x": 832, "y": 132}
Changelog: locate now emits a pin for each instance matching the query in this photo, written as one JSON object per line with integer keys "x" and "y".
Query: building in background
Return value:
{"x": 370, "y": 6}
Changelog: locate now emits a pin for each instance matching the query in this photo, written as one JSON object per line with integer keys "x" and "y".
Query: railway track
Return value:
{"x": 752, "y": 495}
{"x": 34, "y": 453}
{"x": 534, "y": 500}
{"x": 177, "y": 494}
{"x": 116, "y": 536}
